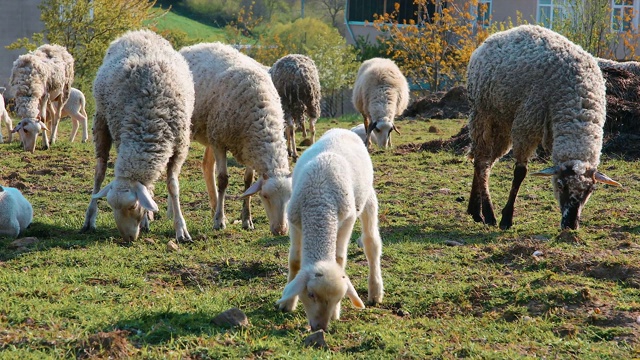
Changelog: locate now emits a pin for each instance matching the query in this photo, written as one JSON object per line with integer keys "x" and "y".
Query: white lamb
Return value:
{"x": 144, "y": 101}
{"x": 362, "y": 133}
{"x": 238, "y": 109}
{"x": 380, "y": 93}
{"x": 5, "y": 118}
{"x": 75, "y": 109}
{"x": 16, "y": 212}
{"x": 332, "y": 186}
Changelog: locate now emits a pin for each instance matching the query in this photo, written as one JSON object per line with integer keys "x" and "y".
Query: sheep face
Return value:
{"x": 275, "y": 193}
{"x": 28, "y": 129}
{"x": 381, "y": 132}
{"x": 129, "y": 200}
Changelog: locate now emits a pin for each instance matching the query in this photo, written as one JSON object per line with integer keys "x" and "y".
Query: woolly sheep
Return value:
{"x": 75, "y": 109}
{"x": 144, "y": 100}
{"x": 16, "y": 212}
{"x": 5, "y": 118}
{"x": 40, "y": 79}
{"x": 296, "y": 79}
{"x": 380, "y": 93}
{"x": 332, "y": 186}
{"x": 530, "y": 85}
{"x": 238, "y": 109}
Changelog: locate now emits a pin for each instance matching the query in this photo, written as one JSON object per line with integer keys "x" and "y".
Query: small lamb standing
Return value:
{"x": 529, "y": 85}
{"x": 332, "y": 186}
{"x": 238, "y": 109}
{"x": 380, "y": 93}
{"x": 75, "y": 109}
{"x": 296, "y": 79}
{"x": 16, "y": 212}
{"x": 144, "y": 101}
{"x": 5, "y": 118}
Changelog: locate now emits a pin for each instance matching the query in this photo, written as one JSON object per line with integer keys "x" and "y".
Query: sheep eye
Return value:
{"x": 311, "y": 296}
{"x": 376, "y": 130}
{"x": 266, "y": 197}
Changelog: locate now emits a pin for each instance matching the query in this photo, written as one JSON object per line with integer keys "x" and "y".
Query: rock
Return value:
{"x": 231, "y": 318}
{"x": 305, "y": 142}
{"x": 23, "y": 242}
{"x": 150, "y": 241}
{"x": 453, "y": 243}
{"x": 537, "y": 253}
{"x": 172, "y": 246}
{"x": 316, "y": 340}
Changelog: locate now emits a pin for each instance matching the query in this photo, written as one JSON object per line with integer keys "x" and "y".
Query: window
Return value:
{"x": 363, "y": 10}
{"x": 622, "y": 15}
{"x": 484, "y": 12}
{"x": 550, "y": 11}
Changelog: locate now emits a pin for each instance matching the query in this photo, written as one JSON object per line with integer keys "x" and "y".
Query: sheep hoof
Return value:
{"x": 288, "y": 306}
{"x": 505, "y": 225}
{"x": 185, "y": 238}
{"x": 87, "y": 228}
{"x": 247, "y": 225}
{"x": 219, "y": 225}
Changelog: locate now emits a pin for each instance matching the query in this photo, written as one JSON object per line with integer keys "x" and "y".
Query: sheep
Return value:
{"x": 362, "y": 133}
{"x": 144, "y": 100}
{"x": 296, "y": 79}
{"x": 380, "y": 93}
{"x": 332, "y": 186}
{"x": 530, "y": 85}
{"x": 39, "y": 79}
{"x": 16, "y": 212}
{"x": 5, "y": 118}
{"x": 238, "y": 109}
{"x": 75, "y": 109}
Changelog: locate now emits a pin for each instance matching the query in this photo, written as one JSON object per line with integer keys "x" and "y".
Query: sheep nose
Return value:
{"x": 279, "y": 230}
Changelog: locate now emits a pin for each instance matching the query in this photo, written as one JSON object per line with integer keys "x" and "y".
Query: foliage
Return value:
{"x": 219, "y": 12}
{"x": 437, "y": 46}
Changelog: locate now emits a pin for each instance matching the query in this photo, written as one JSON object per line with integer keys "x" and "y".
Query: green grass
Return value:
{"x": 193, "y": 29}
{"x": 84, "y": 295}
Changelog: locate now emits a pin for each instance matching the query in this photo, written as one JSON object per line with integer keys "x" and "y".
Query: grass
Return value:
{"x": 86, "y": 295}
{"x": 195, "y": 30}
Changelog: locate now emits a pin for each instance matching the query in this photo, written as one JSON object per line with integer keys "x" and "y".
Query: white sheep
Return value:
{"x": 362, "y": 133}
{"x": 380, "y": 93}
{"x": 75, "y": 109}
{"x": 332, "y": 186}
{"x": 296, "y": 78}
{"x": 144, "y": 101}
{"x": 16, "y": 212}
{"x": 529, "y": 85}
{"x": 238, "y": 109}
{"x": 41, "y": 82}
{"x": 5, "y": 118}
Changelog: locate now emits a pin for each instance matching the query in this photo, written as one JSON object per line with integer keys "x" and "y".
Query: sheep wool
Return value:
{"x": 237, "y": 109}
{"x": 5, "y": 118}
{"x": 16, "y": 212}
{"x": 332, "y": 187}
{"x": 296, "y": 78}
{"x": 529, "y": 85}
{"x": 380, "y": 93}
{"x": 144, "y": 101}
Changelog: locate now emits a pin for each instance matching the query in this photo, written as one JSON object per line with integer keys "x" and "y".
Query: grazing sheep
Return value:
{"x": 332, "y": 186}
{"x": 380, "y": 93}
{"x": 238, "y": 109}
{"x": 75, "y": 109}
{"x": 39, "y": 80}
{"x": 16, "y": 212}
{"x": 144, "y": 100}
{"x": 530, "y": 85}
{"x": 5, "y": 118}
{"x": 296, "y": 79}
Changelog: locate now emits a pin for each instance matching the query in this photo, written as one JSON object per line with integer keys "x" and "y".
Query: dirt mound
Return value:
{"x": 453, "y": 104}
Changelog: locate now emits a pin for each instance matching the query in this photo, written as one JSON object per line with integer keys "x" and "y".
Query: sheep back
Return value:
{"x": 296, "y": 79}
{"x": 381, "y": 90}
{"x": 16, "y": 213}
{"x": 29, "y": 77}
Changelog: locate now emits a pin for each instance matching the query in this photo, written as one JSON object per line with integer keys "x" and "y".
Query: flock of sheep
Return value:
{"x": 527, "y": 86}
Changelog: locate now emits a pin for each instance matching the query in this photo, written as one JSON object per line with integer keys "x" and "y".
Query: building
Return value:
{"x": 18, "y": 19}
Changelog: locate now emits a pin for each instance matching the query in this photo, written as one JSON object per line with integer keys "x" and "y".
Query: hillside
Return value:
{"x": 194, "y": 29}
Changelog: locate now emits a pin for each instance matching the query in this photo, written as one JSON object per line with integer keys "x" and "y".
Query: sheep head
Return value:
{"x": 130, "y": 200}
{"x": 573, "y": 184}
{"x": 382, "y": 129}
{"x": 275, "y": 193}
{"x": 320, "y": 288}
{"x": 28, "y": 129}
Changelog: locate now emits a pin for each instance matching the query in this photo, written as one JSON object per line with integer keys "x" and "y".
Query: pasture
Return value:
{"x": 453, "y": 288}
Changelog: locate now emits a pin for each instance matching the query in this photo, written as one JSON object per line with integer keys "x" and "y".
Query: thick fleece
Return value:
{"x": 16, "y": 212}
{"x": 529, "y": 85}
{"x": 380, "y": 93}
{"x": 144, "y": 101}
{"x": 332, "y": 187}
{"x": 296, "y": 79}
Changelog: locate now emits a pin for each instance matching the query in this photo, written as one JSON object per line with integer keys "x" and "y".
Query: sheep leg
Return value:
{"x": 372, "y": 244}
{"x": 480, "y": 206}
{"x": 312, "y": 129}
{"x": 222, "y": 177}
{"x": 304, "y": 130}
{"x": 519, "y": 173}
{"x": 208, "y": 167}
{"x": 102, "y": 140}
{"x": 74, "y": 128}
{"x": 247, "y": 222}
{"x": 173, "y": 187}
{"x": 295, "y": 234}
{"x": 367, "y": 140}
{"x": 83, "y": 121}
{"x": 43, "y": 114}
{"x": 55, "y": 119}
{"x": 342, "y": 243}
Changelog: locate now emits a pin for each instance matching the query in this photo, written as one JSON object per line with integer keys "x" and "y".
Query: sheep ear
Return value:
{"x": 550, "y": 171}
{"x": 17, "y": 128}
{"x": 257, "y": 186}
{"x": 600, "y": 177}
{"x": 396, "y": 129}
{"x": 294, "y": 288}
{"x": 102, "y": 193}
{"x": 145, "y": 198}
{"x": 353, "y": 295}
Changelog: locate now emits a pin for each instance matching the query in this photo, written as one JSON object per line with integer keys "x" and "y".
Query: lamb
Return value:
{"x": 16, "y": 212}
{"x": 362, "y": 133}
{"x": 296, "y": 79}
{"x": 144, "y": 101}
{"x": 529, "y": 85}
{"x": 238, "y": 109}
{"x": 5, "y": 118}
{"x": 40, "y": 79}
{"x": 380, "y": 93}
{"x": 75, "y": 109}
{"x": 332, "y": 186}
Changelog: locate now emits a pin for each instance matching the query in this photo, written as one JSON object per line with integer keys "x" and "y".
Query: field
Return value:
{"x": 194, "y": 29}
{"x": 453, "y": 288}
